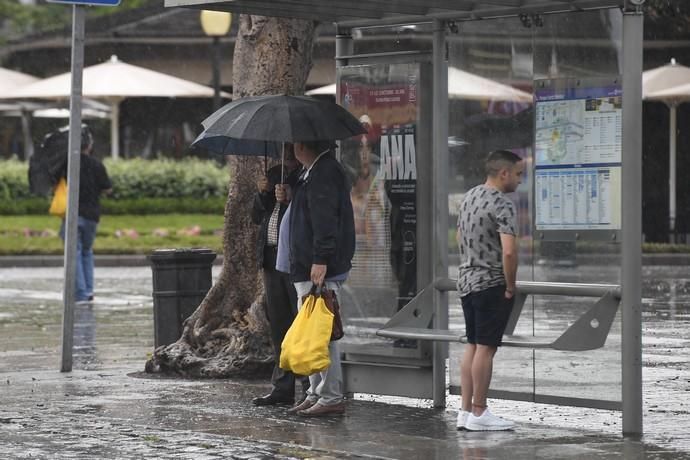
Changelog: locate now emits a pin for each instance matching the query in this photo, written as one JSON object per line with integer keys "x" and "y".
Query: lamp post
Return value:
{"x": 215, "y": 25}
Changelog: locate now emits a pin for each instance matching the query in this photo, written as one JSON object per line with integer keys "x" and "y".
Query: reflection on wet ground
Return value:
{"x": 98, "y": 411}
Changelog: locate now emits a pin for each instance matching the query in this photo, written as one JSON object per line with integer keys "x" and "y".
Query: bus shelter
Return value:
{"x": 439, "y": 84}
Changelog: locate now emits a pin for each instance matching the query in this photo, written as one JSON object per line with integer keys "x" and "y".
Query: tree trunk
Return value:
{"x": 228, "y": 334}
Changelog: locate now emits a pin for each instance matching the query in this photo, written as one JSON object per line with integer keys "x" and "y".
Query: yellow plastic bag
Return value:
{"x": 58, "y": 206}
{"x": 304, "y": 350}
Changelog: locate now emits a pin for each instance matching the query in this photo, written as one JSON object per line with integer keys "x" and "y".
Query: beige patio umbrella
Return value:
{"x": 463, "y": 85}
{"x": 669, "y": 84}
{"x": 114, "y": 81}
{"x": 10, "y": 80}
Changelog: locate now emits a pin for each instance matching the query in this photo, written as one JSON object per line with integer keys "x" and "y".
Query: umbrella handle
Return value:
{"x": 282, "y": 164}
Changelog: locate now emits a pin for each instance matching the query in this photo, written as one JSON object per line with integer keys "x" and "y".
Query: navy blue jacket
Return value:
{"x": 322, "y": 226}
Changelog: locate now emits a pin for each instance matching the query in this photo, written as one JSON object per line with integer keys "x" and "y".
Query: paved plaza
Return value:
{"x": 107, "y": 408}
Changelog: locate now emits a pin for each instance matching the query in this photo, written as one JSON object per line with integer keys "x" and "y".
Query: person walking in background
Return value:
{"x": 93, "y": 182}
{"x": 321, "y": 233}
{"x": 487, "y": 231}
{"x": 281, "y": 298}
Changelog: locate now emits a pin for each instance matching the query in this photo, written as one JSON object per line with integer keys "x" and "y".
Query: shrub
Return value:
{"x": 139, "y": 187}
{"x": 190, "y": 178}
{"x": 14, "y": 180}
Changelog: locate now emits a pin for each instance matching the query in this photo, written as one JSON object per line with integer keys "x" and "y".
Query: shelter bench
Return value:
{"x": 588, "y": 332}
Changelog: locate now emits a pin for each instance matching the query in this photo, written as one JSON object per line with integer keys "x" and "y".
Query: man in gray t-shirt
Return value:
{"x": 485, "y": 213}
{"x": 487, "y": 232}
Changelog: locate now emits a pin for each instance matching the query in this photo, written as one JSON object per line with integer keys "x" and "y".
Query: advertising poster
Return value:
{"x": 382, "y": 165}
{"x": 578, "y": 143}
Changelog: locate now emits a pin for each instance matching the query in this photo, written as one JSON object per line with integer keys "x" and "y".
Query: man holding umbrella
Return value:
{"x": 281, "y": 299}
{"x": 316, "y": 240}
{"x": 321, "y": 233}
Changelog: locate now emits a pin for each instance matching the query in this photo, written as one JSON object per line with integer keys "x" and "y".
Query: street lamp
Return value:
{"x": 215, "y": 24}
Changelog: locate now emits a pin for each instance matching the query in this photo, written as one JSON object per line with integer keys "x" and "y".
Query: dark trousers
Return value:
{"x": 281, "y": 301}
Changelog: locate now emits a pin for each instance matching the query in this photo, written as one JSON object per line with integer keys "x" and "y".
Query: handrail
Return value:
{"x": 547, "y": 288}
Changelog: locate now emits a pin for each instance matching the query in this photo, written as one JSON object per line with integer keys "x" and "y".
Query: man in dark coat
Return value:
{"x": 281, "y": 299}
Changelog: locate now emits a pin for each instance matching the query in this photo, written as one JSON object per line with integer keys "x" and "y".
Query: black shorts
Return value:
{"x": 486, "y": 315}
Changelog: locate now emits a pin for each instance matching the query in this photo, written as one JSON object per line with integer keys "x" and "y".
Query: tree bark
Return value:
{"x": 228, "y": 333}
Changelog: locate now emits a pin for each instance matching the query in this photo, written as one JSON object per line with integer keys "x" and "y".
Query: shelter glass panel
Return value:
{"x": 519, "y": 53}
{"x": 490, "y": 107}
{"x": 392, "y": 39}
{"x": 388, "y": 196}
{"x": 580, "y": 47}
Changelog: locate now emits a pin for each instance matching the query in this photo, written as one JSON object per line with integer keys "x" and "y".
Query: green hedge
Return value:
{"x": 189, "y": 178}
{"x": 139, "y": 187}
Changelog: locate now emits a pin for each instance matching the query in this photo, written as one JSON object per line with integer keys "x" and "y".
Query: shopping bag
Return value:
{"x": 304, "y": 350}
{"x": 58, "y": 206}
{"x": 331, "y": 300}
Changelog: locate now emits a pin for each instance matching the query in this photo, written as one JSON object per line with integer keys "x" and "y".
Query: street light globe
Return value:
{"x": 215, "y": 23}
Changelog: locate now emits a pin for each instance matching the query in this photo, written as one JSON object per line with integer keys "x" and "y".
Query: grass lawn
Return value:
{"x": 126, "y": 234}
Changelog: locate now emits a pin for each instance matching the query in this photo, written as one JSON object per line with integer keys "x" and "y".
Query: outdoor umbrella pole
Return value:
{"x": 673, "y": 127}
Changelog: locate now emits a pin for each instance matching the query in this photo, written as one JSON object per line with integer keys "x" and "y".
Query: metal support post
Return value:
{"x": 440, "y": 206}
{"x": 631, "y": 271}
{"x": 344, "y": 46}
{"x": 74, "y": 152}
{"x": 215, "y": 52}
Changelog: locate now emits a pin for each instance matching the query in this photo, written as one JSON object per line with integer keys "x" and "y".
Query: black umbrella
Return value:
{"x": 281, "y": 119}
{"x": 258, "y": 125}
{"x": 49, "y": 163}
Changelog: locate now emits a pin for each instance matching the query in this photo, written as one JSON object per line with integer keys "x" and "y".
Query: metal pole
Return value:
{"x": 440, "y": 206}
{"x": 344, "y": 46}
{"x": 26, "y": 131}
{"x": 115, "y": 129}
{"x": 673, "y": 123}
{"x": 631, "y": 270}
{"x": 216, "y": 73}
{"x": 74, "y": 151}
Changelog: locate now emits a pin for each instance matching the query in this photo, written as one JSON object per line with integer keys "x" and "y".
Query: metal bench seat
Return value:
{"x": 588, "y": 332}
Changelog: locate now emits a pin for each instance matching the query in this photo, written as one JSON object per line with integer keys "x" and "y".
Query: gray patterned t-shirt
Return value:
{"x": 484, "y": 213}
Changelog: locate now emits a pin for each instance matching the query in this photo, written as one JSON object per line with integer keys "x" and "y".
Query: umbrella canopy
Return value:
{"x": 11, "y": 80}
{"x": 281, "y": 118}
{"x": 322, "y": 91}
{"x": 463, "y": 85}
{"x": 670, "y": 84}
{"x": 113, "y": 81}
{"x": 49, "y": 163}
{"x": 664, "y": 83}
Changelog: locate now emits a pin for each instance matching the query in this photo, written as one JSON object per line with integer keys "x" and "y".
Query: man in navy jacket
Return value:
{"x": 322, "y": 244}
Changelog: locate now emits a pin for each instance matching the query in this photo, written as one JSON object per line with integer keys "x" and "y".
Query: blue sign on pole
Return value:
{"x": 88, "y": 2}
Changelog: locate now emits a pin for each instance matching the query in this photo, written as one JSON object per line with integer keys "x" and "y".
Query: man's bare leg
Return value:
{"x": 466, "y": 383}
{"x": 482, "y": 368}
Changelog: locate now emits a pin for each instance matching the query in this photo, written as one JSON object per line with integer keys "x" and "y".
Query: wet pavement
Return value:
{"x": 105, "y": 409}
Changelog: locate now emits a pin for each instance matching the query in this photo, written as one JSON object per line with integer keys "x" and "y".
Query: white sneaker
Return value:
{"x": 487, "y": 422}
{"x": 462, "y": 419}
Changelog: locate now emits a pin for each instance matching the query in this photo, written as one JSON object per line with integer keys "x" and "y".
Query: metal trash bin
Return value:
{"x": 181, "y": 279}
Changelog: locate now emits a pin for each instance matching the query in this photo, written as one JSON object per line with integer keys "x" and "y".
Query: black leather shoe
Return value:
{"x": 272, "y": 399}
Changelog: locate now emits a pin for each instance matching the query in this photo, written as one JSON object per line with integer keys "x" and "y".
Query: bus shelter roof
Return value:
{"x": 382, "y": 12}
